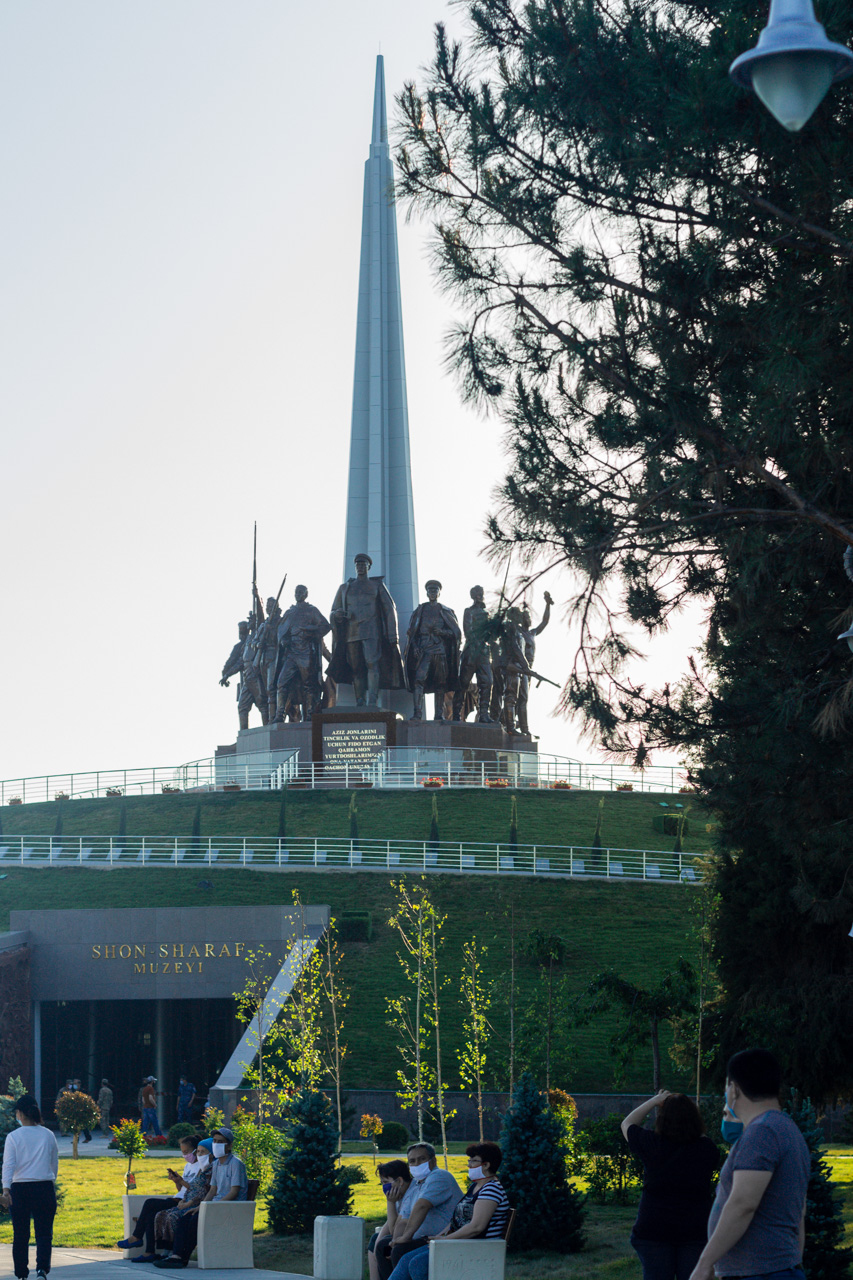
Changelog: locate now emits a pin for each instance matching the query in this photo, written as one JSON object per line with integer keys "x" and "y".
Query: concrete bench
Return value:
{"x": 507, "y": 863}
{"x": 652, "y": 871}
{"x": 338, "y": 1248}
{"x": 543, "y": 864}
{"x": 616, "y": 869}
{"x": 225, "y": 1235}
{"x": 471, "y": 1259}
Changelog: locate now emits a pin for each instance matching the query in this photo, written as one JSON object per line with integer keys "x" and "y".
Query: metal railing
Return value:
{"x": 393, "y": 855}
{"x": 396, "y": 768}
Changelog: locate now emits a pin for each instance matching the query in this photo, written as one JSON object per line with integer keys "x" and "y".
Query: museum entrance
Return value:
{"x": 126, "y": 1040}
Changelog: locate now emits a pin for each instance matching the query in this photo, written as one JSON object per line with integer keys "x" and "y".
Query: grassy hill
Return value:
{"x": 544, "y": 817}
{"x": 639, "y": 929}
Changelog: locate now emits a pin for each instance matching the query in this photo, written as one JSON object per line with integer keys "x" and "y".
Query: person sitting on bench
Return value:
{"x": 228, "y": 1181}
{"x": 396, "y": 1180}
{"x": 481, "y": 1214}
{"x": 144, "y": 1229}
{"x": 424, "y": 1211}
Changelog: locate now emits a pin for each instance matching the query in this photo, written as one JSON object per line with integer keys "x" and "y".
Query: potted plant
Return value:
{"x": 15, "y": 800}
{"x": 561, "y": 785}
{"x": 169, "y": 789}
{"x": 497, "y": 782}
{"x": 115, "y": 791}
{"x": 231, "y": 786}
{"x": 130, "y": 1142}
{"x": 61, "y": 795}
{"x": 432, "y": 783}
{"x": 625, "y": 786}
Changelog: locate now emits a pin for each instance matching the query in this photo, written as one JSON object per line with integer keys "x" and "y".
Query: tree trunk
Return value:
{"x": 438, "y": 1085}
{"x": 548, "y": 1033}
{"x": 512, "y": 1003}
{"x": 74, "y": 1143}
{"x": 655, "y": 1057}
{"x": 418, "y": 1077}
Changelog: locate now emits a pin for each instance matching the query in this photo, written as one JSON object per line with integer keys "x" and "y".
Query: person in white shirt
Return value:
{"x": 30, "y": 1163}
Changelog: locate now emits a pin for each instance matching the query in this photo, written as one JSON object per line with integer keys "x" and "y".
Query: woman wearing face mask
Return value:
{"x": 197, "y": 1189}
{"x": 481, "y": 1214}
{"x": 30, "y": 1162}
{"x": 679, "y": 1163}
{"x": 143, "y": 1232}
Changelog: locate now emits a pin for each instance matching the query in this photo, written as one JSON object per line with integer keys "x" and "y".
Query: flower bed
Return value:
{"x": 497, "y": 782}
{"x": 561, "y": 785}
{"x": 625, "y": 786}
{"x": 433, "y": 783}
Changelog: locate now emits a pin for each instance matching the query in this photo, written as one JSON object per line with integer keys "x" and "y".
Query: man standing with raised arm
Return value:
{"x": 757, "y": 1224}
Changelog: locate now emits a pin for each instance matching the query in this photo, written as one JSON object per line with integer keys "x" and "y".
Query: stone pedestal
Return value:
{"x": 338, "y": 1248}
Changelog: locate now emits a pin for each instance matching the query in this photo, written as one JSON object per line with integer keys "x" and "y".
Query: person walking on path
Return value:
{"x": 757, "y": 1225}
{"x": 105, "y": 1105}
{"x": 679, "y": 1163}
{"x": 186, "y": 1098}
{"x": 30, "y": 1163}
{"x": 149, "y": 1108}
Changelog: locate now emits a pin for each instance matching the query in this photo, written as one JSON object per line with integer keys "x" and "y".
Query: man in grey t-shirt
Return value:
{"x": 228, "y": 1181}
{"x": 425, "y": 1209}
{"x": 757, "y": 1224}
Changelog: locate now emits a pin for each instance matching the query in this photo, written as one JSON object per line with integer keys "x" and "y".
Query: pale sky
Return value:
{"x": 181, "y": 223}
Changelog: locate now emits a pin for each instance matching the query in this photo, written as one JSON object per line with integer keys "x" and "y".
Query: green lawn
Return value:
{"x": 91, "y": 1217}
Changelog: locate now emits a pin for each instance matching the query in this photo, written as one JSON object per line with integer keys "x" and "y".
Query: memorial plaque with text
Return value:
{"x": 353, "y": 738}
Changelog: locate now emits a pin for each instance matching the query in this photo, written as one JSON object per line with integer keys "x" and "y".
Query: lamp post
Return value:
{"x": 793, "y": 64}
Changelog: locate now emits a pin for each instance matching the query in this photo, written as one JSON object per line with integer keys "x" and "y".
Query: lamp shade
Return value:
{"x": 793, "y": 64}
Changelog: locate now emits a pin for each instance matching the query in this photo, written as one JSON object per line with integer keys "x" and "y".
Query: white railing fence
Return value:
{"x": 396, "y": 769}
{"x": 318, "y": 852}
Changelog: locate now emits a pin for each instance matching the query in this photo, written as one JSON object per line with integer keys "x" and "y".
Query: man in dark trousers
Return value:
{"x": 228, "y": 1181}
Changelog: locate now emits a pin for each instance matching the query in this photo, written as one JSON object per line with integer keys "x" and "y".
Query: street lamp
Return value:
{"x": 793, "y": 64}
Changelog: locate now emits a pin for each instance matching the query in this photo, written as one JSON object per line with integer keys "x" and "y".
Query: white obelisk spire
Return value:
{"x": 380, "y": 513}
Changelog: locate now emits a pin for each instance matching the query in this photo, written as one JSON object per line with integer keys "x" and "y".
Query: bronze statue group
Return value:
{"x": 279, "y": 655}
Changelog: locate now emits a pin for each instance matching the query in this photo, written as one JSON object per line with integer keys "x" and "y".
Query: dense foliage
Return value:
{"x": 825, "y": 1256}
{"x": 605, "y": 1160}
{"x": 307, "y": 1181}
{"x": 656, "y": 298}
{"x": 549, "y": 1208}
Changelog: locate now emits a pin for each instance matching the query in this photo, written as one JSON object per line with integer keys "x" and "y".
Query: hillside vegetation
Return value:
{"x": 544, "y": 817}
{"x": 637, "y": 928}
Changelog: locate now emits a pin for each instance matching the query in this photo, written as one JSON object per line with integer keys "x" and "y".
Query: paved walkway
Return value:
{"x": 108, "y": 1264}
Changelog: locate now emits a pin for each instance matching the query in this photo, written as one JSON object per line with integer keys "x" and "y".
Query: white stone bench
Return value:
{"x": 652, "y": 871}
{"x": 225, "y": 1235}
{"x": 467, "y": 1259}
{"x": 224, "y": 1232}
{"x": 616, "y": 869}
{"x": 338, "y": 1248}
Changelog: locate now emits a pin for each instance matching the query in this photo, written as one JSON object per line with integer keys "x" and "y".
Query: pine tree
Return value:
{"x": 434, "y": 836}
{"x": 307, "y": 1181}
{"x": 653, "y": 284}
{"x": 550, "y": 1212}
{"x": 825, "y": 1256}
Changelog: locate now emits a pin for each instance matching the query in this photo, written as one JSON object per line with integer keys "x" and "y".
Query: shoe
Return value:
{"x": 130, "y": 1243}
{"x": 41, "y": 1274}
{"x": 171, "y": 1261}
{"x": 147, "y": 1257}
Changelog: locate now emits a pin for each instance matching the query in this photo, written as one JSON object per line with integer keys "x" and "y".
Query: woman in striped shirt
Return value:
{"x": 481, "y": 1214}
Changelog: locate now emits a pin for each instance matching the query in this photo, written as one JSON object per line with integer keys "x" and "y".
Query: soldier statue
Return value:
{"x": 266, "y": 653}
{"x": 513, "y": 665}
{"x": 250, "y": 692}
{"x": 365, "y": 647}
{"x": 475, "y": 660}
{"x": 528, "y": 636}
{"x": 300, "y": 637}
{"x": 431, "y": 659}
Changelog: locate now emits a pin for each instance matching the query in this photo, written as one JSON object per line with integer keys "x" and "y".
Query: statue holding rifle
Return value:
{"x": 300, "y": 637}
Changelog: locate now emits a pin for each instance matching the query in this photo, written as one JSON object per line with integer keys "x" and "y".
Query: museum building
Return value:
{"x": 125, "y": 993}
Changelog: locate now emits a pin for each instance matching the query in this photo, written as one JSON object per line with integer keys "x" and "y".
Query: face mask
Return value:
{"x": 17, "y": 1121}
{"x": 218, "y": 1149}
{"x": 419, "y": 1171}
{"x": 475, "y": 1173}
{"x": 203, "y": 1162}
{"x": 731, "y": 1129}
{"x": 386, "y": 1187}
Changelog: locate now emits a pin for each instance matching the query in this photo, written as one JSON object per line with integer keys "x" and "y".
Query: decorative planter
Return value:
{"x": 61, "y": 795}
{"x": 16, "y": 800}
{"x": 114, "y": 792}
{"x": 499, "y": 783}
{"x": 129, "y": 1182}
{"x": 168, "y": 790}
{"x": 561, "y": 786}
{"x": 231, "y": 786}
{"x": 625, "y": 786}
{"x": 432, "y": 784}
